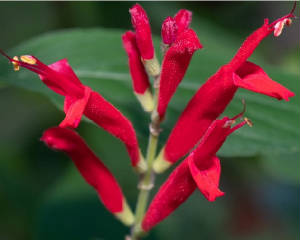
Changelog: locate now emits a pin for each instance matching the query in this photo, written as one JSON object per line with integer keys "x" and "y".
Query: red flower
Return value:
{"x": 80, "y": 99}
{"x": 144, "y": 42}
{"x": 140, "y": 80}
{"x": 142, "y": 28}
{"x": 213, "y": 97}
{"x": 200, "y": 169}
{"x": 92, "y": 170}
{"x": 174, "y": 66}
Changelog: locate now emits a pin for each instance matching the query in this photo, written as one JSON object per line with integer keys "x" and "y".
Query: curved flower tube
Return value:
{"x": 213, "y": 97}
{"x": 140, "y": 80}
{"x": 142, "y": 28}
{"x": 94, "y": 172}
{"x": 200, "y": 169}
{"x": 174, "y": 67}
{"x": 80, "y": 99}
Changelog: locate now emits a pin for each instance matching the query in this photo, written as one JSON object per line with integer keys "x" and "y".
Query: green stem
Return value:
{"x": 147, "y": 181}
{"x": 146, "y": 184}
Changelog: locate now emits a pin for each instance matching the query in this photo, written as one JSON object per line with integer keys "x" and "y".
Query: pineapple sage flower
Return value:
{"x": 200, "y": 169}
{"x": 80, "y": 99}
{"x": 174, "y": 67}
{"x": 92, "y": 170}
{"x": 213, "y": 96}
{"x": 179, "y": 44}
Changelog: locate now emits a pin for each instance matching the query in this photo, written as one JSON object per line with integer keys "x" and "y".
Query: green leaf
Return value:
{"x": 98, "y": 59}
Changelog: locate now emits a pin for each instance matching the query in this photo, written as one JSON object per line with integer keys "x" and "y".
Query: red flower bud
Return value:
{"x": 169, "y": 31}
{"x": 91, "y": 168}
{"x": 183, "y": 19}
{"x": 142, "y": 28}
{"x": 213, "y": 97}
{"x": 80, "y": 99}
{"x": 200, "y": 169}
{"x": 174, "y": 66}
{"x": 140, "y": 80}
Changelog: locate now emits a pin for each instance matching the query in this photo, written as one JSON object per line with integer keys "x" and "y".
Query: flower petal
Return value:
{"x": 74, "y": 110}
{"x": 183, "y": 19}
{"x": 63, "y": 67}
{"x": 253, "y": 78}
{"x": 207, "y": 179}
{"x": 60, "y": 77}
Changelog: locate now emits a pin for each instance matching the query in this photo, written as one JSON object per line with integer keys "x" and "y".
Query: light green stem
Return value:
{"x": 147, "y": 181}
{"x": 146, "y": 184}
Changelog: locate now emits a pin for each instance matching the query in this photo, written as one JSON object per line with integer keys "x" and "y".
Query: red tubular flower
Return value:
{"x": 92, "y": 170}
{"x": 213, "y": 97}
{"x": 183, "y": 20}
{"x": 144, "y": 42}
{"x": 174, "y": 66}
{"x": 200, "y": 169}
{"x": 142, "y": 28}
{"x": 140, "y": 80}
{"x": 80, "y": 99}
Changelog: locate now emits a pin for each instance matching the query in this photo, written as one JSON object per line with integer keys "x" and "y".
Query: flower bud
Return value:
{"x": 169, "y": 31}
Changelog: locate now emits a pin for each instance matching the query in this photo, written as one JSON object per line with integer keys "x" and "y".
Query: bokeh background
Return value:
{"x": 43, "y": 197}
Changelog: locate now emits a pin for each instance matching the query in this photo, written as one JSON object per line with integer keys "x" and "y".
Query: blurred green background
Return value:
{"x": 41, "y": 194}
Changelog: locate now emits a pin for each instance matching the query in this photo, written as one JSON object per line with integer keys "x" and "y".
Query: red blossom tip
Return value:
{"x": 142, "y": 28}
{"x": 183, "y": 19}
{"x": 169, "y": 31}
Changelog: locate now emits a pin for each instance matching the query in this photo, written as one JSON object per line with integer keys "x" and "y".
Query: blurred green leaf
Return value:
{"x": 98, "y": 59}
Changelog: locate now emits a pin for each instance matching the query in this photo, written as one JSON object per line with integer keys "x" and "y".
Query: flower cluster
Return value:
{"x": 198, "y": 133}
